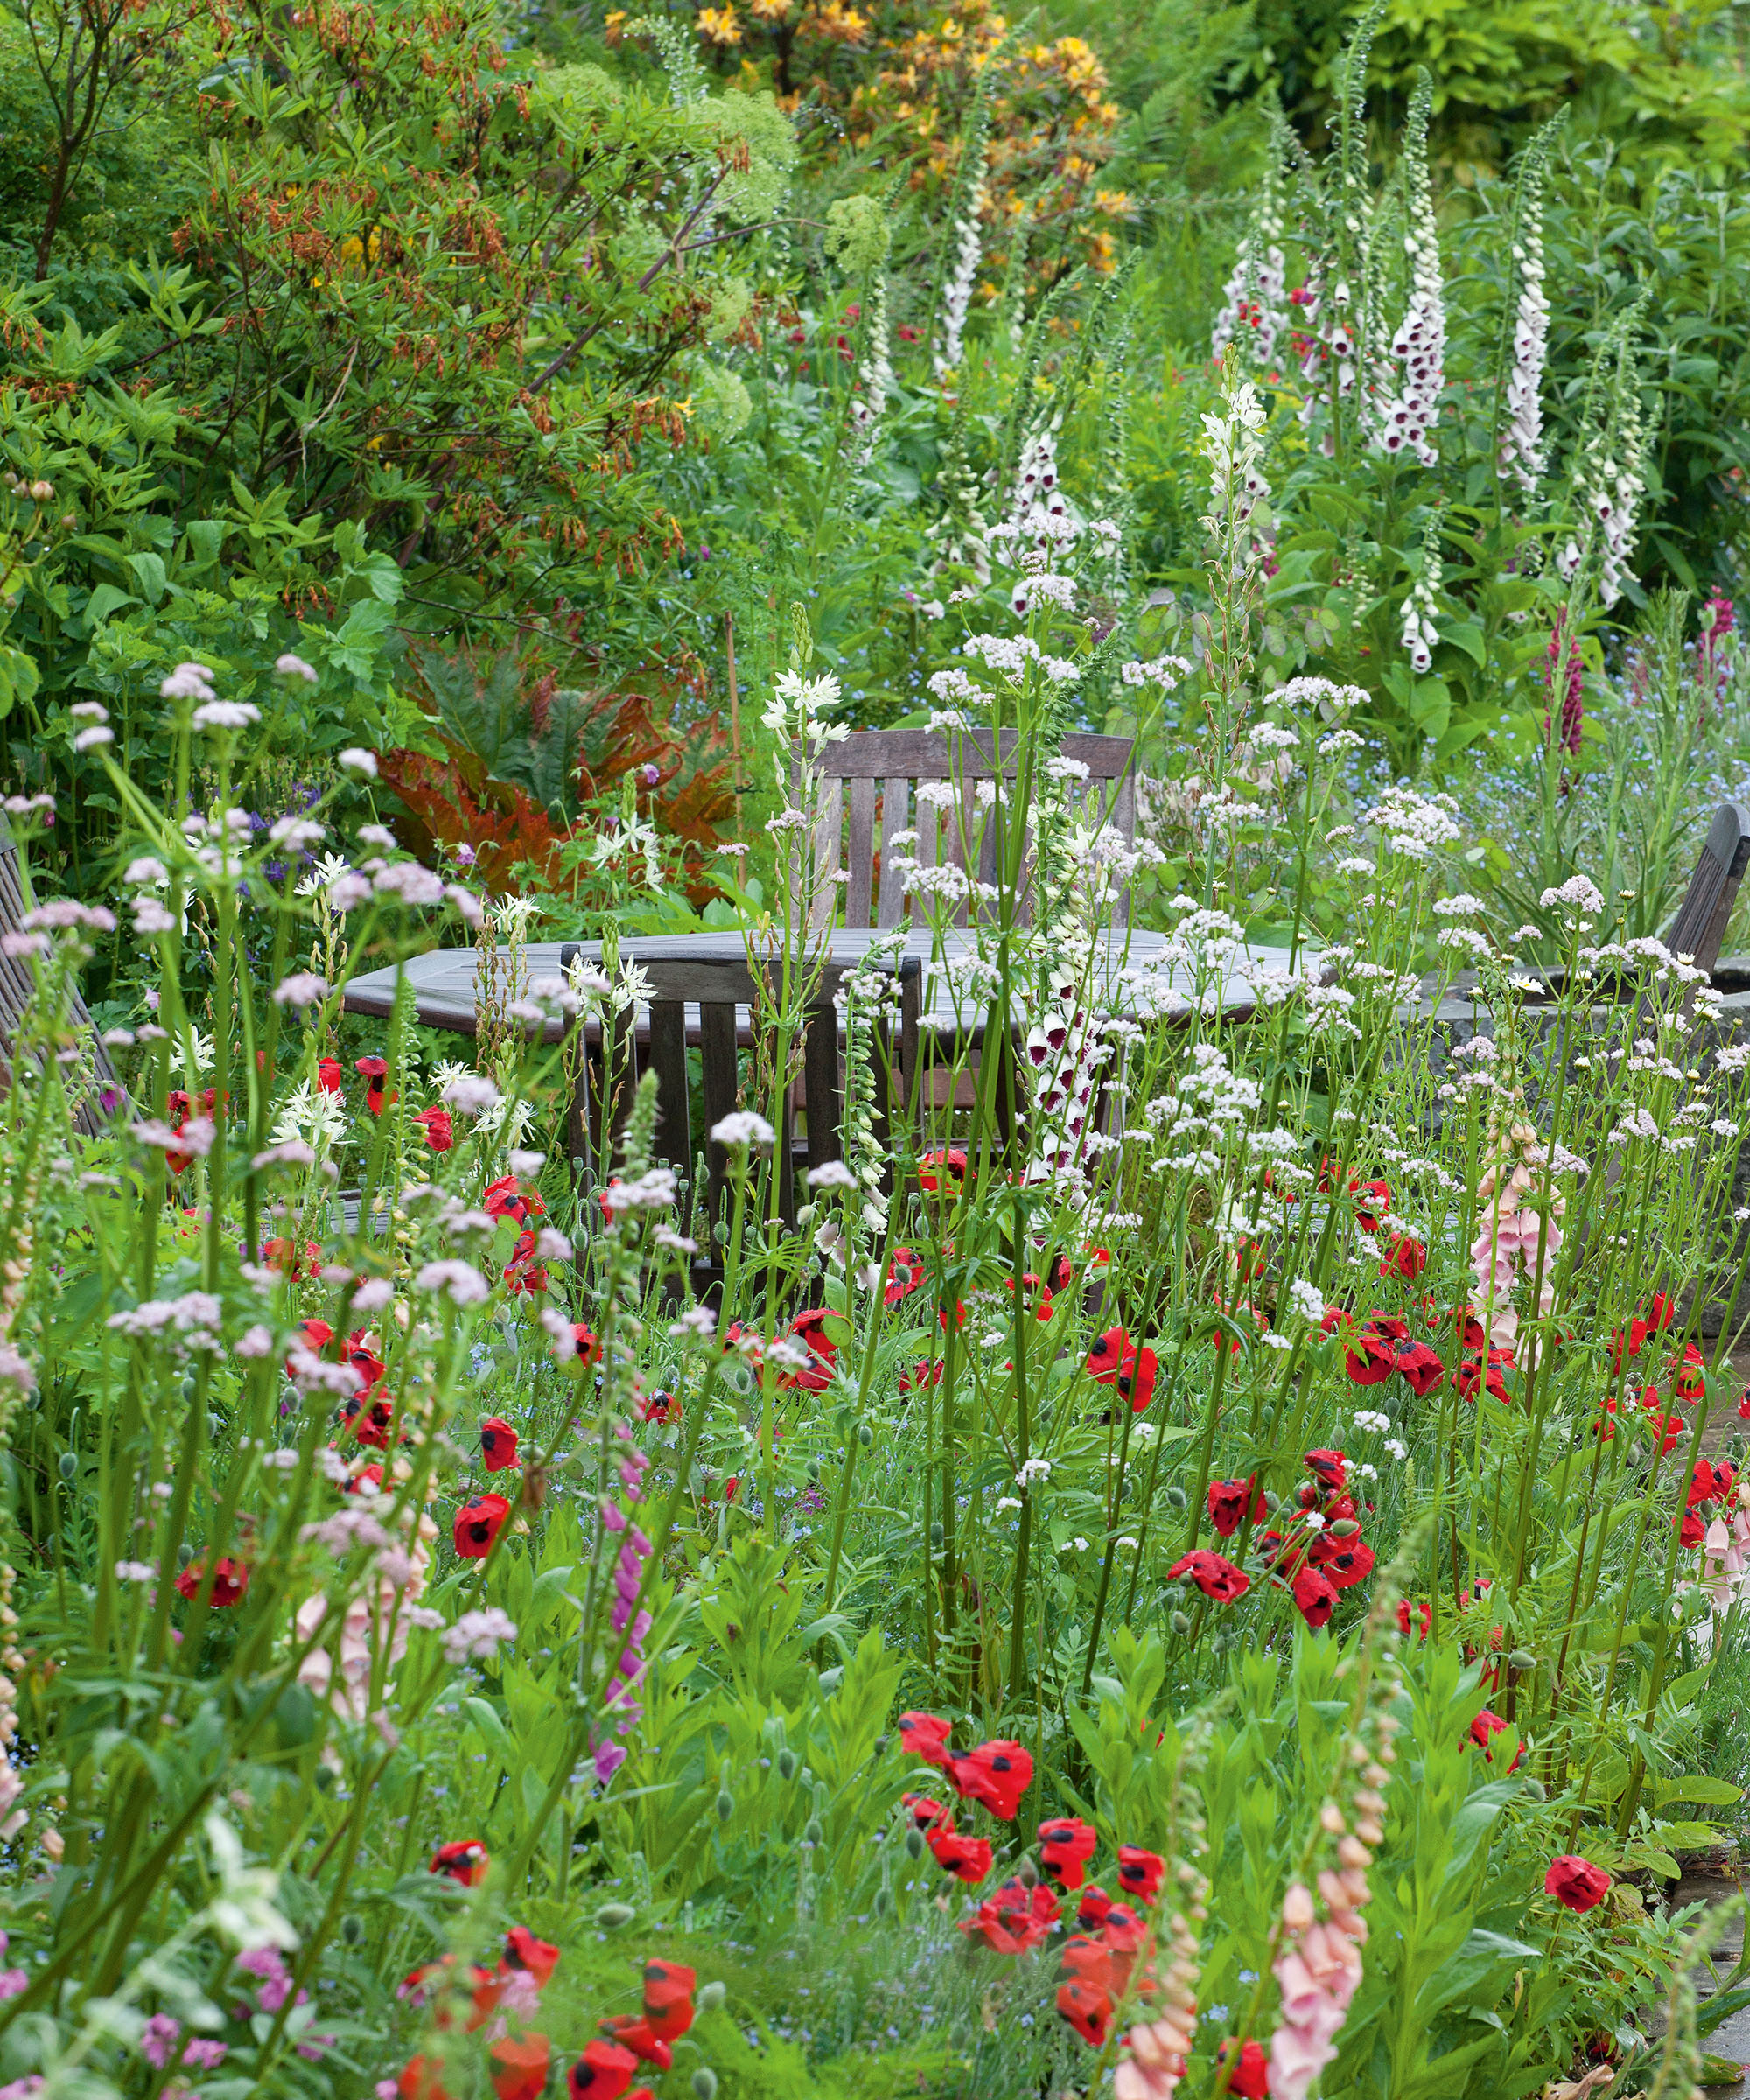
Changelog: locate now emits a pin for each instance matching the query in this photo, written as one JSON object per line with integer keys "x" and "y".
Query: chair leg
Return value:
{"x": 716, "y": 1056}
{"x": 821, "y": 1089}
{"x": 669, "y": 1061}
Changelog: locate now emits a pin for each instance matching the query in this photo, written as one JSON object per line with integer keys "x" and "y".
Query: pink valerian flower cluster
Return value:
{"x": 377, "y": 1620}
{"x": 631, "y": 1623}
{"x": 273, "y": 1981}
{"x": 1318, "y": 1970}
{"x": 162, "y": 2044}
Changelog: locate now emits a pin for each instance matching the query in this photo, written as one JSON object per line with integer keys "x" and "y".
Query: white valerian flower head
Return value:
{"x": 354, "y": 760}
{"x": 744, "y": 1127}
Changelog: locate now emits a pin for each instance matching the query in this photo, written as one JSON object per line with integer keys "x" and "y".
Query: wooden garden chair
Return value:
{"x": 18, "y": 984}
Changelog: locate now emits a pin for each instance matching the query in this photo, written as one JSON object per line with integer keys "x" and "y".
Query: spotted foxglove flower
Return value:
{"x": 1521, "y": 436}
{"x": 1419, "y": 349}
{"x": 876, "y": 373}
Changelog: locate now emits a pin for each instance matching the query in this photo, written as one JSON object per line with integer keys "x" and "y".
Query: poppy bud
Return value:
{"x": 612, "y": 1916}
{"x": 183, "y": 1553}
{"x": 1522, "y": 1658}
{"x": 190, "y": 1388}
{"x": 1026, "y": 1873}
{"x": 937, "y": 1535}
{"x": 1176, "y": 1498}
{"x": 705, "y": 2082}
{"x": 1535, "y": 1788}
{"x": 865, "y": 1436}
{"x": 725, "y": 1805}
{"x": 786, "y": 1764}
{"x": 1182, "y": 1625}
{"x": 1344, "y": 1527}
{"x": 812, "y": 1832}
{"x": 68, "y": 1464}
{"x": 915, "y": 1841}
{"x": 884, "y": 1901}
{"x": 881, "y": 1744}
{"x": 711, "y": 1997}
{"x": 352, "y": 1930}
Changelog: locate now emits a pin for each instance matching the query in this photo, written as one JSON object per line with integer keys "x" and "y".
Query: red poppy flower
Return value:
{"x": 926, "y": 1812}
{"x": 1744, "y": 1406}
{"x": 922, "y": 1377}
{"x": 375, "y": 1071}
{"x": 421, "y": 2080}
{"x": 1088, "y": 2010}
{"x": 439, "y": 1129}
{"x": 1660, "y": 1314}
{"x": 1667, "y": 1431}
{"x": 1124, "y": 1931}
{"x": 463, "y": 1860}
{"x": 967, "y": 1859}
{"x": 371, "y": 1420}
{"x": 365, "y": 1362}
{"x": 283, "y": 1254}
{"x": 602, "y": 2072}
{"x": 925, "y": 1735}
{"x": 316, "y": 1334}
{"x": 1405, "y": 1258}
{"x": 1014, "y": 1918}
{"x": 1250, "y": 2077}
{"x": 1424, "y": 1615}
{"x": 1329, "y": 1468}
{"x": 1228, "y": 1504}
{"x": 230, "y": 1579}
{"x": 632, "y": 2030}
{"x": 507, "y": 1198}
{"x": 943, "y": 1170}
{"x": 1373, "y": 1202}
{"x": 328, "y": 1074}
{"x": 1065, "y": 1845}
{"x": 1574, "y": 1881}
{"x": 810, "y": 1328}
{"x": 1420, "y": 1369}
{"x": 995, "y": 1773}
{"x": 522, "y": 1272}
{"x": 1094, "y": 1908}
{"x": 589, "y": 1344}
{"x": 1335, "y": 1317}
{"x": 478, "y": 1522}
{"x": 1486, "y": 1727}
{"x": 1347, "y": 1561}
{"x": 661, "y": 1407}
{"x": 1711, "y": 1483}
{"x": 1472, "y": 1373}
{"x": 1215, "y": 1576}
{"x": 535, "y": 1957}
{"x": 1689, "y": 1378}
{"x": 905, "y": 1275}
{"x": 1088, "y": 1961}
{"x": 1691, "y": 1528}
{"x": 668, "y": 1998}
{"x": 521, "y": 2063}
{"x": 367, "y": 1476}
{"x": 1140, "y": 1872}
{"x": 1315, "y": 1596}
{"x": 1369, "y": 1359}
{"x": 1115, "y": 1360}
{"x": 498, "y": 1444}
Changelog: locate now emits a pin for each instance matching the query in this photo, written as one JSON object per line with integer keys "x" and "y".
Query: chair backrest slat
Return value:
{"x": 1698, "y": 930}
{"x": 898, "y": 759}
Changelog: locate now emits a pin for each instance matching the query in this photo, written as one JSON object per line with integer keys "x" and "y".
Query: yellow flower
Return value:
{"x": 1117, "y": 204}
{"x": 769, "y": 11}
{"x": 720, "y": 24}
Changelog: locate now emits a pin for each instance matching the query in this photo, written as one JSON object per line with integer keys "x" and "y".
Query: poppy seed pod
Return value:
{"x": 725, "y": 1805}
{"x": 937, "y": 1535}
{"x": 612, "y": 1916}
{"x": 1535, "y": 1788}
{"x": 1343, "y": 1526}
{"x": 352, "y": 1930}
{"x": 884, "y": 1901}
{"x": 1026, "y": 1873}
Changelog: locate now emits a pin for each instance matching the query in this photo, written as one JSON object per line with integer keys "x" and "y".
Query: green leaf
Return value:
{"x": 1716, "y": 1793}
{"x": 490, "y": 1729}
{"x": 106, "y": 599}
{"x": 148, "y": 572}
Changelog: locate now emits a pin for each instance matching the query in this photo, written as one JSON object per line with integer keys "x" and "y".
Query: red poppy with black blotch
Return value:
{"x": 438, "y": 1127}
{"x": 1420, "y": 1367}
{"x": 498, "y": 1444}
{"x": 375, "y": 1072}
{"x": 230, "y": 1579}
{"x": 316, "y": 1334}
{"x": 996, "y": 1774}
{"x": 926, "y": 1812}
{"x": 1472, "y": 1373}
{"x": 1066, "y": 1844}
{"x": 1347, "y": 1559}
{"x": 967, "y": 1859}
{"x": 367, "y": 1476}
{"x": 1711, "y": 1482}
{"x": 1576, "y": 1882}
{"x": 1035, "y": 1296}
{"x": 1128, "y": 1937}
{"x": 177, "y": 1109}
{"x": 477, "y": 1523}
{"x": 507, "y": 1198}
{"x": 1228, "y": 1504}
{"x": 632, "y": 2030}
{"x": 521, "y": 2063}
{"x": 1691, "y": 1528}
{"x": 1335, "y": 1318}
{"x": 921, "y": 1378}
{"x": 1214, "y": 1576}
{"x": 534, "y": 1956}
{"x": 1370, "y": 1358}
{"x": 1329, "y": 1468}
{"x": 1666, "y": 1431}
{"x": 668, "y": 1989}
{"x": 905, "y": 1275}
{"x": 1372, "y": 1202}
{"x": 1424, "y": 1614}
{"x": 370, "y": 1420}
{"x": 1094, "y": 1907}
{"x": 1087, "y": 1960}
{"x": 1483, "y": 1731}
{"x": 1249, "y": 2079}
{"x": 661, "y": 1407}
{"x": 365, "y": 1360}
{"x": 1140, "y": 1872}
{"x": 1689, "y": 1377}
{"x": 925, "y": 1735}
{"x": 1115, "y": 1360}
{"x": 602, "y": 2072}
{"x": 810, "y": 1328}
{"x": 1014, "y": 1917}
{"x": 328, "y": 1074}
{"x": 589, "y": 1344}
{"x": 1315, "y": 1596}
{"x": 523, "y": 1273}
{"x": 943, "y": 1170}
{"x": 463, "y": 1860}
{"x": 1088, "y": 2007}
{"x": 1404, "y": 1257}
